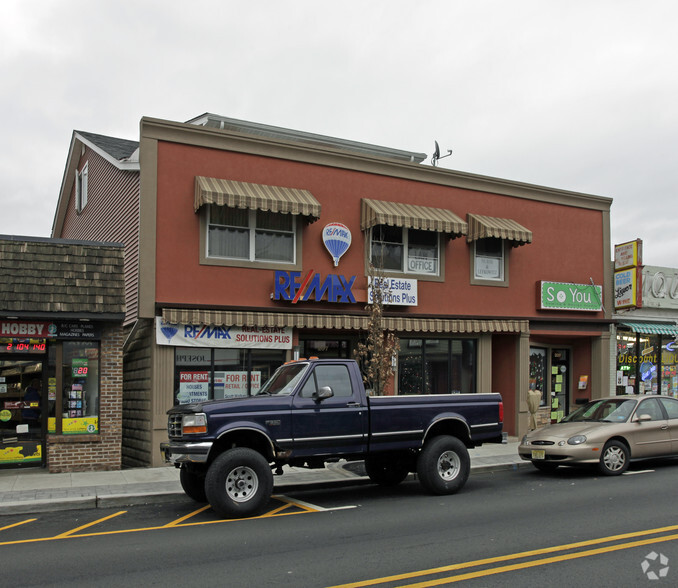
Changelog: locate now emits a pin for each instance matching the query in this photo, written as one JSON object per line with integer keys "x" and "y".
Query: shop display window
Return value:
{"x": 80, "y": 387}
{"x": 538, "y": 373}
{"x": 202, "y": 374}
{"x": 647, "y": 364}
{"x": 670, "y": 368}
{"x": 437, "y": 366}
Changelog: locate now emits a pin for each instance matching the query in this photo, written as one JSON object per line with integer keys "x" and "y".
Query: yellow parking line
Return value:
{"x": 188, "y": 516}
{"x": 73, "y": 531}
{"x": 541, "y": 562}
{"x": 17, "y": 524}
{"x": 174, "y": 524}
{"x": 531, "y": 553}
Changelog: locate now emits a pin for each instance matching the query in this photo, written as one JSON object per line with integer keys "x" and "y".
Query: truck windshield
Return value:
{"x": 284, "y": 380}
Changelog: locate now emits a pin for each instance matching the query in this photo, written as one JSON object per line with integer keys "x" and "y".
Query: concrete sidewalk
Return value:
{"x": 31, "y": 490}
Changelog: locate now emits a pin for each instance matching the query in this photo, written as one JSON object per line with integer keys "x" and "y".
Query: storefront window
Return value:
{"x": 670, "y": 369}
{"x": 649, "y": 375}
{"x": 538, "y": 372}
{"x": 325, "y": 348}
{"x": 437, "y": 366}
{"x": 647, "y": 364}
{"x": 80, "y": 382}
{"x": 202, "y": 374}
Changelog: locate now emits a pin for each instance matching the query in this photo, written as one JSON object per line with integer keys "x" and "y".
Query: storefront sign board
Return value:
{"x": 660, "y": 287}
{"x": 565, "y": 296}
{"x": 313, "y": 287}
{"x": 395, "y": 291}
{"x": 39, "y": 329}
{"x": 628, "y": 255}
{"x": 183, "y": 335}
{"x": 627, "y": 288}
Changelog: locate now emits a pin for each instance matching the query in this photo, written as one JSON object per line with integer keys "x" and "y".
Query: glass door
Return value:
{"x": 560, "y": 384}
{"x": 22, "y": 411}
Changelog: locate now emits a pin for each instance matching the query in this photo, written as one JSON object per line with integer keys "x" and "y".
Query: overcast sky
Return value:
{"x": 577, "y": 95}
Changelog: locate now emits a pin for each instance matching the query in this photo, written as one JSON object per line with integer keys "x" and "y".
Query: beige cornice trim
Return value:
{"x": 189, "y": 134}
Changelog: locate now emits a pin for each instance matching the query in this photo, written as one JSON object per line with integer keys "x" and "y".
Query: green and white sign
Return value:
{"x": 562, "y": 296}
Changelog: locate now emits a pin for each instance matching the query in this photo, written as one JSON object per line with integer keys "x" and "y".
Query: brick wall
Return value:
{"x": 83, "y": 453}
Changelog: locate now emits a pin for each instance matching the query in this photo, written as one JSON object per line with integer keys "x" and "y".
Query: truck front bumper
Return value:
{"x": 178, "y": 452}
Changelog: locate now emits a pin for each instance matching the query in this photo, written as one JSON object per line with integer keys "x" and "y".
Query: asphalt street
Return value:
{"x": 505, "y": 528}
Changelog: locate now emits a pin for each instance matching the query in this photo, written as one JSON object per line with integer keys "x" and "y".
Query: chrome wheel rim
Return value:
{"x": 449, "y": 465}
{"x": 614, "y": 458}
{"x": 241, "y": 484}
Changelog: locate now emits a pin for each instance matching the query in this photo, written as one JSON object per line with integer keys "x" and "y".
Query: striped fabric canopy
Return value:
{"x": 482, "y": 227}
{"x": 255, "y": 196}
{"x": 413, "y": 216}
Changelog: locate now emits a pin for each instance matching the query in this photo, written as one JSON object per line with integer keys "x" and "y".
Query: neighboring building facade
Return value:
{"x": 62, "y": 304}
{"x": 249, "y": 245}
{"x": 645, "y": 358}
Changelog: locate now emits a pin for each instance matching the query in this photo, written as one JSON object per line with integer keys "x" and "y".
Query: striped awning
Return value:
{"x": 653, "y": 328}
{"x": 336, "y": 321}
{"x": 482, "y": 227}
{"x": 256, "y": 196}
{"x": 413, "y": 216}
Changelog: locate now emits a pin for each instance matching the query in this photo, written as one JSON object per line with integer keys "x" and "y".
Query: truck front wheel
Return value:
{"x": 239, "y": 483}
{"x": 443, "y": 465}
{"x": 193, "y": 483}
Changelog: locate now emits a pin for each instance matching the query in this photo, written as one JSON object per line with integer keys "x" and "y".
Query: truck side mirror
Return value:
{"x": 323, "y": 393}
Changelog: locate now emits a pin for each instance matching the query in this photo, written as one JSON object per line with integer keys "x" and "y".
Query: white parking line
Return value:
{"x": 638, "y": 472}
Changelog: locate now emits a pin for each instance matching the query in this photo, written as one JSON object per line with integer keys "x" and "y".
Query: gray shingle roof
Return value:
{"x": 72, "y": 278}
{"x": 118, "y": 148}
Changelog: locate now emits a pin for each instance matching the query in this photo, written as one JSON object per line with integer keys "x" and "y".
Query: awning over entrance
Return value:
{"x": 335, "y": 321}
{"x": 482, "y": 227}
{"x": 413, "y": 216}
{"x": 653, "y": 328}
{"x": 255, "y": 196}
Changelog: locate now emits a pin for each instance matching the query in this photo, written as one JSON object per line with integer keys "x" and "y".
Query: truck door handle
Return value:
{"x": 353, "y": 405}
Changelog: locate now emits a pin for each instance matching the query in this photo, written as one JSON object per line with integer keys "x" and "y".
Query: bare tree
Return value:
{"x": 376, "y": 351}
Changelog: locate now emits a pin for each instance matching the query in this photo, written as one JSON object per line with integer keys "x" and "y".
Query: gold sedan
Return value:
{"x": 609, "y": 432}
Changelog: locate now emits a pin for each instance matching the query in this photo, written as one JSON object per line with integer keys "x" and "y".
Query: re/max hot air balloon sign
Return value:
{"x": 337, "y": 240}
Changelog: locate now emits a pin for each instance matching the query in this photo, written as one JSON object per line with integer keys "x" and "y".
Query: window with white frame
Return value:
{"x": 81, "y": 188}
{"x": 251, "y": 235}
{"x": 488, "y": 259}
{"x": 400, "y": 249}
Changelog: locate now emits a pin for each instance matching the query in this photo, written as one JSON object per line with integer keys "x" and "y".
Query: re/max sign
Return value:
{"x": 294, "y": 287}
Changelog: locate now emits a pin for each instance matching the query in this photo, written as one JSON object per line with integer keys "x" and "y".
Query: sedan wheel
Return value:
{"x": 615, "y": 459}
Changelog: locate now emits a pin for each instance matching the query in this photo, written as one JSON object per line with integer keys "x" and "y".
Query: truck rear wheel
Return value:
{"x": 239, "y": 483}
{"x": 193, "y": 483}
{"x": 443, "y": 465}
{"x": 386, "y": 471}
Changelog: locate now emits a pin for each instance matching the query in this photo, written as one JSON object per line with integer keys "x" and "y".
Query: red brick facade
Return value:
{"x": 81, "y": 453}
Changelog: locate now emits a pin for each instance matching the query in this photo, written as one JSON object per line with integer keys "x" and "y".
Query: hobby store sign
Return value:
{"x": 564, "y": 296}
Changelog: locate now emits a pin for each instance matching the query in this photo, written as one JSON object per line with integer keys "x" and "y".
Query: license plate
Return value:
{"x": 538, "y": 454}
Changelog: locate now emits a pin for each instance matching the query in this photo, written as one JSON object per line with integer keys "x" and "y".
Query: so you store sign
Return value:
{"x": 564, "y": 296}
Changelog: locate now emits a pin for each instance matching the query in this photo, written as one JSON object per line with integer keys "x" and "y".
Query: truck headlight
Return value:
{"x": 576, "y": 440}
{"x": 194, "y": 423}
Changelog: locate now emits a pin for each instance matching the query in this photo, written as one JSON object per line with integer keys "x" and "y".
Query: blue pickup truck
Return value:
{"x": 314, "y": 411}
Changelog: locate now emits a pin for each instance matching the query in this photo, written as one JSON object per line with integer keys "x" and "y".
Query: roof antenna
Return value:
{"x": 436, "y": 154}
